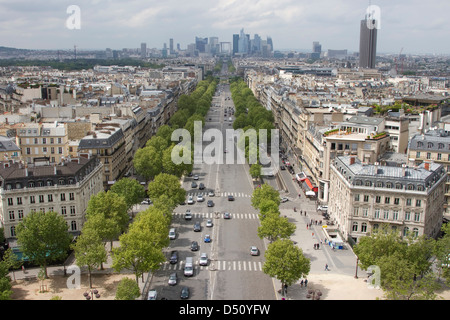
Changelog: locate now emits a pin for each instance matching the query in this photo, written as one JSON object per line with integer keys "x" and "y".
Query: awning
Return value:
{"x": 310, "y": 193}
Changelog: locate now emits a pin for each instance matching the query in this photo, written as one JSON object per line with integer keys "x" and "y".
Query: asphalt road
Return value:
{"x": 232, "y": 273}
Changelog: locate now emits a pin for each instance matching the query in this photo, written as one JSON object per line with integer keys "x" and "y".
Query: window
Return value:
{"x": 63, "y": 210}
{"x": 72, "y": 210}
{"x": 364, "y": 227}
{"x": 10, "y": 202}
{"x": 407, "y": 216}
{"x": 355, "y": 211}
{"x": 41, "y": 199}
{"x": 366, "y": 198}
{"x": 396, "y": 200}
{"x": 11, "y": 215}
{"x": 417, "y": 154}
{"x": 428, "y": 155}
{"x": 365, "y": 212}
{"x": 20, "y": 214}
{"x": 356, "y": 197}
{"x": 405, "y": 231}
{"x": 418, "y": 203}
{"x": 439, "y": 156}
{"x": 355, "y": 226}
{"x": 13, "y": 231}
{"x": 32, "y": 199}
{"x": 387, "y": 200}
{"x": 415, "y": 232}
{"x": 386, "y": 214}
{"x": 71, "y": 196}
{"x": 417, "y": 216}
{"x": 73, "y": 225}
{"x": 378, "y": 199}
{"x": 50, "y": 198}
{"x": 408, "y": 202}
{"x": 19, "y": 200}
{"x": 63, "y": 196}
{"x": 395, "y": 215}
{"x": 377, "y": 214}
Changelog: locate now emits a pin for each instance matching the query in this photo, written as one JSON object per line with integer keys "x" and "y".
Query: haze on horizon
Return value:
{"x": 417, "y": 26}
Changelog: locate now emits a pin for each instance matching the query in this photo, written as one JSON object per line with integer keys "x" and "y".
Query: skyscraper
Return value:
{"x": 143, "y": 50}
{"x": 235, "y": 43}
{"x": 171, "y": 46}
{"x": 368, "y": 43}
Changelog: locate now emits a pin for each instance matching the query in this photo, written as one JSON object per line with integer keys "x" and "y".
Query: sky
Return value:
{"x": 417, "y": 26}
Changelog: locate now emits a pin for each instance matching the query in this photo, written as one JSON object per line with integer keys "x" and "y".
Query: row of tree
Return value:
{"x": 284, "y": 260}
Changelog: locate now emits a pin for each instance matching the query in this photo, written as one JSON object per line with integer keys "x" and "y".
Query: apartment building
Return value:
{"x": 363, "y": 197}
{"x": 8, "y": 149}
{"x": 38, "y": 140}
{"x": 64, "y": 187}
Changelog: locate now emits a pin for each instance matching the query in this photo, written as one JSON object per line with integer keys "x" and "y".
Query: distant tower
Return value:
{"x": 143, "y": 50}
{"x": 75, "y": 51}
{"x": 368, "y": 43}
{"x": 171, "y": 46}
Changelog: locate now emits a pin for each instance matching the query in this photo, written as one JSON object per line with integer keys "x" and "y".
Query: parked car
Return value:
{"x": 201, "y": 186}
{"x": 197, "y": 227}
{"x": 209, "y": 223}
{"x": 173, "y": 279}
{"x": 190, "y": 200}
{"x": 284, "y": 199}
{"x": 210, "y": 203}
{"x": 194, "y": 184}
{"x": 322, "y": 208}
{"x": 152, "y": 294}
{"x": 282, "y": 167}
{"x": 146, "y": 201}
{"x": 203, "y": 259}
{"x": 194, "y": 246}
{"x": 254, "y": 251}
{"x": 230, "y": 198}
{"x": 195, "y": 176}
{"x": 207, "y": 238}
{"x": 200, "y": 198}
{"x": 173, "y": 257}
{"x": 184, "y": 293}
{"x": 188, "y": 215}
{"x": 211, "y": 193}
{"x": 226, "y": 215}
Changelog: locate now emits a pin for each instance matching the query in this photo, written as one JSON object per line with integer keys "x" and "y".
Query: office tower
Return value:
{"x": 200, "y": 44}
{"x": 368, "y": 43}
{"x": 244, "y": 42}
{"x": 143, "y": 50}
{"x": 235, "y": 43}
{"x": 171, "y": 46}
{"x": 317, "y": 50}
{"x": 269, "y": 44}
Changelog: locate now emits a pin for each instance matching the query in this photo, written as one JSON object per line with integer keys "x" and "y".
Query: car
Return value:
{"x": 203, "y": 259}
{"x": 188, "y": 215}
{"x": 146, "y": 201}
{"x": 194, "y": 246}
{"x": 173, "y": 257}
{"x": 195, "y": 176}
{"x": 190, "y": 200}
{"x": 209, "y": 223}
{"x": 211, "y": 194}
{"x": 173, "y": 279}
{"x": 152, "y": 294}
{"x": 197, "y": 227}
{"x": 201, "y": 186}
{"x": 200, "y": 198}
{"x": 190, "y": 174}
{"x": 230, "y": 198}
{"x": 207, "y": 238}
{"x": 194, "y": 184}
{"x": 254, "y": 251}
{"x": 226, "y": 215}
{"x": 184, "y": 293}
{"x": 210, "y": 203}
{"x": 284, "y": 199}
{"x": 322, "y": 208}
{"x": 282, "y": 167}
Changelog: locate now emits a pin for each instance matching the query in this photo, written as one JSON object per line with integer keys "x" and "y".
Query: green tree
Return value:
{"x": 89, "y": 251}
{"x": 255, "y": 170}
{"x": 265, "y": 192}
{"x": 285, "y": 262}
{"x": 167, "y": 184}
{"x": 11, "y": 260}
{"x": 147, "y": 162}
{"x": 43, "y": 238}
{"x": 160, "y": 143}
{"x": 127, "y": 289}
{"x": 5, "y": 281}
{"x": 275, "y": 227}
{"x": 177, "y": 169}
{"x": 130, "y": 189}
{"x": 268, "y": 207}
{"x": 442, "y": 253}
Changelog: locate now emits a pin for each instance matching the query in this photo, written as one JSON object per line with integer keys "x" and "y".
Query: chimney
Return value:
{"x": 26, "y": 169}
{"x": 376, "y": 164}
{"x": 54, "y": 169}
{"x": 352, "y": 160}
{"x": 427, "y": 166}
{"x": 403, "y": 170}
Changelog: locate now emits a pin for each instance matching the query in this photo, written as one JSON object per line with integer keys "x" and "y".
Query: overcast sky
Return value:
{"x": 418, "y": 26}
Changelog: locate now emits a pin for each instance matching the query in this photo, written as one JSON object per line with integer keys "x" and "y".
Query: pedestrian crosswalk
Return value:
{"x": 218, "y": 265}
{"x": 210, "y": 215}
{"x": 220, "y": 194}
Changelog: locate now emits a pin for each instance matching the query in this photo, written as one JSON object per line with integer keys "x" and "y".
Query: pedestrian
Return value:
{"x": 23, "y": 268}
{"x": 326, "y": 267}
{"x": 285, "y": 288}
{"x": 306, "y": 227}
{"x": 301, "y": 283}
{"x": 306, "y": 283}
{"x": 318, "y": 246}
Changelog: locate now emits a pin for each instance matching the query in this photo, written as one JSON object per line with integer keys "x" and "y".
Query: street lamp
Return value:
{"x": 91, "y": 293}
{"x": 314, "y": 294}
{"x": 356, "y": 269}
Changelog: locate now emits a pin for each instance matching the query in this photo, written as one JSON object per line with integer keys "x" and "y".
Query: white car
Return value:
{"x": 322, "y": 208}
{"x": 146, "y": 201}
{"x": 203, "y": 259}
{"x": 284, "y": 199}
{"x": 152, "y": 295}
{"x": 200, "y": 198}
{"x": 196, "y": 177}
{"x": 209, "y": 223}
{"x": 172, "y": 279}
{"x": 254, "y": 251}
{"x": 190, "y": 200}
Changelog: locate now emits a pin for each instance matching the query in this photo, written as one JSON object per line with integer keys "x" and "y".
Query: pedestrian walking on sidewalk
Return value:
{"x": 306, "y": 283}
{"x": 326, "y": 267}
{"x": 301, "y": 283}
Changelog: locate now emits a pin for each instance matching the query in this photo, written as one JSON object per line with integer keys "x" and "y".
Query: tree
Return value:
{"x": 147, "y": 162}
{"x": 285, "y": 262}
{"x": 265, "y": 192}
{"x": 127, "y": 289}
{"x": 11, "y": 260}
{"x": 161, "y": 142}
{"x": 43, "y": 238}
{"x": 130, "y": 189}
{"x": 268, "y": 207}
{"x": 442, "y": 253}
{"x": 89, "y": 251}
{"x": 107, "y": 215}
{"x": 5, "y": 281}
{"x": 173, "y": 168}
{"x": 275, "y": 227}
{"x": 169, "y": 185}
{"x": 255, "y": 170}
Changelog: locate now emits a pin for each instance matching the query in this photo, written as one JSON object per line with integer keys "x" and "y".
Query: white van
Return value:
{"x": 172, "y": 234}
{"x": 189, "y": 267}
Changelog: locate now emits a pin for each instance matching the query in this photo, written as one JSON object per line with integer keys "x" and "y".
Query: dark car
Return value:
{"x": 194, "y": 184}
{"x": 194, "y": 246}
{"x": 201, "y": 186}
{"x": 184, "y": 293}
{"x": 282, "y": 168}
{"x": 173, "y": 257}
{"x": 210, "y": 203}
{"x": 197, "y": 227}
{"x": 230, "y": 198}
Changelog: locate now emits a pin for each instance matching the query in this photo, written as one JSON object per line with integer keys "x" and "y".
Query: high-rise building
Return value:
{"x": 368, "y": 43}
{"x": 143, "y": 50}
{"x": 235, "y": 43}
{"x": 317, "y": 50}
{"x": 200, "y": 44}
{"x": 171, "y": 46}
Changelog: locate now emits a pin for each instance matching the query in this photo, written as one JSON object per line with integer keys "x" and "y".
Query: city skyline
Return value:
{"x": 293, "y": 25}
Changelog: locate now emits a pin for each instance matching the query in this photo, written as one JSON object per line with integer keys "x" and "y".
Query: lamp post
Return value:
{"x": 356, "y": 268}
{"x": 91, "y": 293}
{"x": 314, "y": 294}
